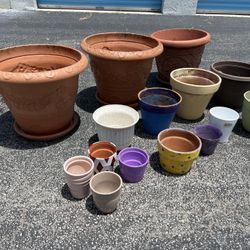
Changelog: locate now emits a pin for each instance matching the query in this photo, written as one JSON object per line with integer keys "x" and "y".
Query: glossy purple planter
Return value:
{"x": 133, "y": 162}
{"x": 210, "y": 136}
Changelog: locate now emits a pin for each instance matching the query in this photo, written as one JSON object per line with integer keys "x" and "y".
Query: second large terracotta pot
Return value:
{"x": 183, "y": 48}
{"x": 39, "y": 84}
{"x": 121, "y": 63}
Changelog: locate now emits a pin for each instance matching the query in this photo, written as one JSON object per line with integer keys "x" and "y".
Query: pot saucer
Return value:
{"x": 75, "y": 121}
{"x": 132, "y": 105}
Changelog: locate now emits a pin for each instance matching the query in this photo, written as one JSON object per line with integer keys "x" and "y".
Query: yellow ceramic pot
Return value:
{"x": 178, "y": 148}
{"x": 196, "y": 87}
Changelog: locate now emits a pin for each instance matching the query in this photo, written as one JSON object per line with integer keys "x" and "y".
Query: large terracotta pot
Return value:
{"x": 121, "y": 63}
{"x": 235, "y": 82}
{"x": 39, "y": 84}
{"x": 183, "y": 48}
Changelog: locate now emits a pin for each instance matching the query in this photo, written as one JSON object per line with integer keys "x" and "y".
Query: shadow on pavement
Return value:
{"x": 10, "y": 139}
{"x": 91, "y": 207}
{"x": 86, "y": 100}
{"x": 94, "y": 138}
{"x": 240, "y": 131}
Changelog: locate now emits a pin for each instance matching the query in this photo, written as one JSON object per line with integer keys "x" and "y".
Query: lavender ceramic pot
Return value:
{"x": 133, "y": 162}
{"x": 210, "y": 136}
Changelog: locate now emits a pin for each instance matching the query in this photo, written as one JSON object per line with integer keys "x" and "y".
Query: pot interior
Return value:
{"x": 102, "y": 150}
{"x": 115, "y": 119}
{"x": 37, "y": 58}
{"x": 234, "y": 70}
{"x": 133, "y": 158}
{"x": 195, "y": 77}
{"x": 105, "y": 183}
{"x": 179, "y": 140}
{"x": 179, "y": 34}
{"x": 224, "y": 114}
{"x": 121, "y": 42}
{"x": 78, "y": 167}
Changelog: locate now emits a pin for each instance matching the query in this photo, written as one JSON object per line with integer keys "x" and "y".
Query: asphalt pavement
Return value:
{"x": 208, "y": 208}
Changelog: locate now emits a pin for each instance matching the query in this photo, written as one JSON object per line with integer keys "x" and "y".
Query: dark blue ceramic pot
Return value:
{"x": 158, "y": 107}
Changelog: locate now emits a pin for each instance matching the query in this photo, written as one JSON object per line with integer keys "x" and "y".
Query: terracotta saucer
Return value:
{"x": 75, "y": 121}
{"x": 132, "y": 105}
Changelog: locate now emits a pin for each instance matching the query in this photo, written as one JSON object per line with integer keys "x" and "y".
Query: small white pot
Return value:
{"x": 116, "y": 123}
{"x": 224, "y": 119}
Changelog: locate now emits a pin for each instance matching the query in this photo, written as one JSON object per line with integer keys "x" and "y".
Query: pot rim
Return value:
{"x": 194, "y": 89}
{"x": 107, "y": 173}
{"x": 159, "y": 106}
{"x": 211, "y": 126}
{"x": 43, "y": 76}
{"x": 247, "y": 98}
{"x": 122, "y": 55}
{"x": 175, "y": 151}
{"x": 129, "y": 110}
{"x": 233, "y": 112}
{"x": 75, "y": 158}
{"x": 107, "y": 142}
{"x": 237, "y": 64}
{"x": 138, "y": 150}
{"x": 183, "y": 43}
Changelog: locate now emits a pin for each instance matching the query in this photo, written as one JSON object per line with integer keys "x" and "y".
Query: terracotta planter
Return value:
{"x": 39, "y": 84}
{"x": 178, "y": 148}
{"x": 104, "y": 155}
{"x": 196, "y": 86}
{"x": 183, "y": 48}
{"x": 235, "y": 82}
{"x": 121, "y": 63}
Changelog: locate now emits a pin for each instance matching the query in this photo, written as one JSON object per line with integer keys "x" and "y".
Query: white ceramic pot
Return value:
{"x": 116, "y": 123}
{"x": 224, "y": 119}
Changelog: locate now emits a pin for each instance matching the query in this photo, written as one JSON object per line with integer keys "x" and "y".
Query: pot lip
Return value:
{"x": 211, "y": 126}
{"x": 184, "y": 43}
{"x": 207, "y": 89}
{"x": 237, "y": 64}
{"x": 103, "y": 173}
{"x": 75, "y": 158}
{"x": 234, "y": 113}
{"x": 129, "y": 110}
{"x": 246, "y": 96}
{"x": 44, "y": 76}
{"x": 175, "y": 151}
{"x": 106, "y": 142}
{"x": 159, "y": 106}
{"x": 122, "y": 55}
{"x": 138, "y": 150}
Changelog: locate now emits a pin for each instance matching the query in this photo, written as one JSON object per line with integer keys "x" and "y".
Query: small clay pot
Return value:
{"x": 39, "y": 84}
{"x": 133, "y": 162}
{"x": 104, "y": 155}
{"x": 158, "y": 107}
{"x": 246, "y": 111}
{"x": 121, "y": 63}
{"x": 225, "y": 119}
{"x": 78, "y": 171}
{"x": 178, "y": 148}
{"x": 196, "y": 86}
{"x": 210, "y": 136}
{"x": 106, "y": 190}
{"x": 116, "y": 123}
{"x": 183, "y": 48}
{"x": 235, "y": 82}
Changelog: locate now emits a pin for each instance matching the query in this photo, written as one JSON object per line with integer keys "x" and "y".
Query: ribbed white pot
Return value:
{"x": 116, "y": 123}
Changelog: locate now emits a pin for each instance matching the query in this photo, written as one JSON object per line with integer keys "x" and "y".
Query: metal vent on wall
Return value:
{"x": 224, "y": 6}
{"x": 131, "y": 5}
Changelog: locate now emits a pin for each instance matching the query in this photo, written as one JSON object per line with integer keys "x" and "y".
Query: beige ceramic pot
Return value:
{"x": 39, "y": 84}
{"x": 121, "y": 63}
{"x": 106, "y": 189}
{"x": 196, "y": 86}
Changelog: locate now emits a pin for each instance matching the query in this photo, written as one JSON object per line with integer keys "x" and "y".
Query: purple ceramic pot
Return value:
{"x": 210, "y": 136}
{"x": 133, "y": 162}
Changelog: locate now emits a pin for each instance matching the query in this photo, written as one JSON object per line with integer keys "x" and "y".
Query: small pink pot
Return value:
{"x": 78, "y": 171}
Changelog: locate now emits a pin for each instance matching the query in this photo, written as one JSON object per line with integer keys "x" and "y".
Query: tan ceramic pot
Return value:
{"x": 39, "y": 84}
{"x": 121, "y": 63}
{"x": 183, "y": 48}
{"x": 196, "y": 86}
